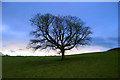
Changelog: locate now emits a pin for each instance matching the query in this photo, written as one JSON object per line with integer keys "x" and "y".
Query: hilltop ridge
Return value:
{"x": 118, "y": 49}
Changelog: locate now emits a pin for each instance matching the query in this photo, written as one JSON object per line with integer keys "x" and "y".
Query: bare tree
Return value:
{"x": 58, "y": 32}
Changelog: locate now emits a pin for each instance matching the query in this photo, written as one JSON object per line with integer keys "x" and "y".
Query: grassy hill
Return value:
{"x": 90, "y": 65}
{"x": 1, "y": 54}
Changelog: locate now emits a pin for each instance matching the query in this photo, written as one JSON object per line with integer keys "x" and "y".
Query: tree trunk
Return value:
{"x": 63, "y": 55}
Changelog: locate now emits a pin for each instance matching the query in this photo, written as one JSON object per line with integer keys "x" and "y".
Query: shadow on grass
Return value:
{"x": 57, "y": 59}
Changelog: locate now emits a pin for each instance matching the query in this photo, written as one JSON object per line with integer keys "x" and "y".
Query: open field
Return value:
{"x": 90, "y": 65}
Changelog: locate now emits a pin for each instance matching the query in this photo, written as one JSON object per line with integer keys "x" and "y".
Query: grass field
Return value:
{"x": 90, "y": 65}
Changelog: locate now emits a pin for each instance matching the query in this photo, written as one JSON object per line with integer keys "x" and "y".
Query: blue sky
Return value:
{"x": 102, "y": 17}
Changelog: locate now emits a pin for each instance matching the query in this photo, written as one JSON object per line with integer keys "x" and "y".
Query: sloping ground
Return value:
{"x": 117, "y": 49}
{"x": 91, "y": 65}
{"x": 1, "y": 54}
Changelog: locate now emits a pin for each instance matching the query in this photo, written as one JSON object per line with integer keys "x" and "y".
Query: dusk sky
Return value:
{"x": 102, "y": 17}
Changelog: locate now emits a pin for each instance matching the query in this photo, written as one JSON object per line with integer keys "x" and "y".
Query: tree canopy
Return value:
{"x": 58, "y": 32}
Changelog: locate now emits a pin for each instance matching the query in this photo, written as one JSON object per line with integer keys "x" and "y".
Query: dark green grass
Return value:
{"x": 91, "y": 65}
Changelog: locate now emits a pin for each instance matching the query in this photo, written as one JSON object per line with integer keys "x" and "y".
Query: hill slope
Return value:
{"x": 114, "y": 49}
{"x": 91, "y": 65}
{"x": 1, "y": 54}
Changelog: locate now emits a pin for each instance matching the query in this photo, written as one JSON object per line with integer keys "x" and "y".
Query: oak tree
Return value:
{"x": 58, "y": 32}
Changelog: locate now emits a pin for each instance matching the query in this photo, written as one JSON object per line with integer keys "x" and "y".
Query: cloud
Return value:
{"x": 113, "y": 39}
{"x": 98, "y": 44}
{"x": 10, "y": 33}
{"x": 25, "y": 53}
{"x": 12, "y": 51}
{"x": 80, "y": 50}
{"x": 20, "y": 49}
{"x": 1, "y": 54}
{"x": 14, "y": 45}
{"x": 109, "y": 42}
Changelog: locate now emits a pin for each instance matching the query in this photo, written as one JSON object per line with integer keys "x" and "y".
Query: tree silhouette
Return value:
{"x": 58, "y": 32}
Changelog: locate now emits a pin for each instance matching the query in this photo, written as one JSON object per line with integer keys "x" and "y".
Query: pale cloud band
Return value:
{"x": 79, "y": 50}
